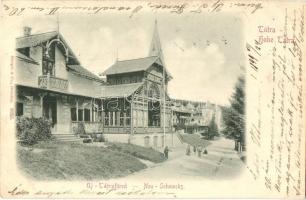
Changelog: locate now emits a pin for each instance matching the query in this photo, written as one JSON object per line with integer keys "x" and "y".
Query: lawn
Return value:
{"x": 194, "y": 140}
{"x": 74, "y": 161}
{"x": 138, "y": 151}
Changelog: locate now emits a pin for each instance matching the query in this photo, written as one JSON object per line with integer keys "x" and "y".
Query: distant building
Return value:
{"x": 194, "y": 116}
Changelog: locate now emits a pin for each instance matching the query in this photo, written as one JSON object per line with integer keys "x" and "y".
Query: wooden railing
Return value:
{"x": 51, "y": 82}
{"x": 90, "y": 127}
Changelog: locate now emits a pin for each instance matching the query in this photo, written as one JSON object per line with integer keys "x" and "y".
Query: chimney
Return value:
{"x": 27, "y": 31}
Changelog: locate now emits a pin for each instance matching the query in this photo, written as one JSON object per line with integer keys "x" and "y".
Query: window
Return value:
{"x": 100, "y": 116}
{"x": 73, "y": 114}
{"x": 106, "y": 119}
{"x": 116, "y": 118}
{"x": 111, "y": 118}
{"x": 25, "y": 51}
{"x": 139, "y": 79}
{"x": 80, "y": 114}
{"x": 128, "y": 119}
{"x": 119, "y": 81}
{"x": 86, "y": 115}
{"x": 19, "y": 109}
{"x": 121, "y": 119}
{"x": 139, "y": 118}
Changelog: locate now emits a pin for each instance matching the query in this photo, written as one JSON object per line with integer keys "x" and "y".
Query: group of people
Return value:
{"x": 199, "y": 150}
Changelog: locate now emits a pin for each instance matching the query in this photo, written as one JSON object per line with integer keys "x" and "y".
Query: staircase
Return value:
{"x": 67, "y": 137}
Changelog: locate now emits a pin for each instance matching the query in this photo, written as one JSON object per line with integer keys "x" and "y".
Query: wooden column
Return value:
{"x": 41, "y": 105}
{"x": 94, "y": 111}
{"x": 41, "y": 96}
{"x": 114, "y": 118}
{"x": 90, "y": 115}
{"x": 131, "y": 116}
{"x": 77, "y": 110}
{"x": 124, "y": 119}
{"x": 83, "y": 113}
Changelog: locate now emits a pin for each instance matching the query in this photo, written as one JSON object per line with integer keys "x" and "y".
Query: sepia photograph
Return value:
{"x": 150, "y": 99}
{"x": 150, "y": 96}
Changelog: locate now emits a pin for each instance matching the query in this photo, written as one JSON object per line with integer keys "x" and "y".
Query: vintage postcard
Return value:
{"x": 152, "y": 99}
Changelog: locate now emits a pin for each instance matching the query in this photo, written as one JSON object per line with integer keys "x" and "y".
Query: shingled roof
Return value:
{"x": 34, "y": 40}
{"x": 134, "y": 65}
{"x": 122, "y": 90}
{"x": 83, "y": 71}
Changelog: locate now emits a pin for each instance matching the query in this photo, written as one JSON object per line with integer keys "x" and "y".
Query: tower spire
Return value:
{"x": 155, "y": 48}
{"x": 57, "y": 26}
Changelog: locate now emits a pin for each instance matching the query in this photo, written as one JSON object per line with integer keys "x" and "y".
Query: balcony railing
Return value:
{"x": 51, "y": 82}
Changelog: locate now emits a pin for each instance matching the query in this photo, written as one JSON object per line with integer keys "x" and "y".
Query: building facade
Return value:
{"x": 131, "y": 103}
{"x": 51, "y": 83}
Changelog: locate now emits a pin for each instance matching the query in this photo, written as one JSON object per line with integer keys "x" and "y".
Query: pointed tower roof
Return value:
{"x": 141, "y": 64}
{"x": 155, "y": 48}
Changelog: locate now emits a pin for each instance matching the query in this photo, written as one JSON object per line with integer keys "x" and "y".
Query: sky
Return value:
{"x": 203, "y": 53}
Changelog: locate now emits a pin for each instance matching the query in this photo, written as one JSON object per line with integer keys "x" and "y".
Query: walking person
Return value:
{"x": 205, "y": 152}
{"x": 188, "y": 150}
{"x": 199, "y": 150}
{"x": 194, "y": 150}
{"x": 166, "y": 151}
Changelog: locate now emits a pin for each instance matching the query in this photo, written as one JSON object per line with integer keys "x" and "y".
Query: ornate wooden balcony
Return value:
{"x": 52, "y": 83}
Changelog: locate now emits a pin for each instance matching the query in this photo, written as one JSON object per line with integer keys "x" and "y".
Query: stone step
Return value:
{"x": 70, "y": 140}
{"x": 67, "y": 137}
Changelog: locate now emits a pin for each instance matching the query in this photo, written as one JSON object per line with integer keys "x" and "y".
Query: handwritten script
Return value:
{"x": 175, "y": 8}
{"x": 100, "y": 190}
{"x": 279, "y": 164}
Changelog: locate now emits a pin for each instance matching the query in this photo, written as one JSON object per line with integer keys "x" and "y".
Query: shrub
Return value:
{"x": 80, "y": 129}
{"x": 87, "y": 140}
{"x": 32, "y": 130}
{"x": 98, "y": 137}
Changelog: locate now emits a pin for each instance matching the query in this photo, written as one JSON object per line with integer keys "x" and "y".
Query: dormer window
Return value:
{"x": 25, "y": 51}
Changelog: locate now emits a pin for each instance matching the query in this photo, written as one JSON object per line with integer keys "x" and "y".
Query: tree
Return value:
{"x": 234, "y": 116}
{"x": 213, "y": 128}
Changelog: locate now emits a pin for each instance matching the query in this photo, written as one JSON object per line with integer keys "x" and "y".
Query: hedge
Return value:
{"x": 31, "y": 130}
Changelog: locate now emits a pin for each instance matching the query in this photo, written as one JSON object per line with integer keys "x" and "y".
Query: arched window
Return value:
{"x": 154, "y": 91}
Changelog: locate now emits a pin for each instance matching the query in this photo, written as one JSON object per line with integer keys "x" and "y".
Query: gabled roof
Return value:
{"x": 25, "y": 58}
{"x": 134, "y": 65}
{"x": 36, "y": 39}
{"x": 83, "y": 71}
{"x": 122, "y": 90}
